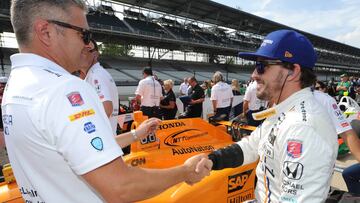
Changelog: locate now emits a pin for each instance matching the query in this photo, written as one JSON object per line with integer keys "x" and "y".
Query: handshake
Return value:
{"x": 197, "y": 167}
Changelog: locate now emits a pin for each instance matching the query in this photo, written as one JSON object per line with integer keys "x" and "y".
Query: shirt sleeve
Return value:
{"x": 213, "y": 94}
{"x": 247, "y": 93}
{"x": 82, "y": 132}
{"x": 102, "y": 84}
{"x": 139, "y": 90}
{"x": 250, "y": 145}
{"x": 306, "y": 164}
{"x": 340, "y": 122}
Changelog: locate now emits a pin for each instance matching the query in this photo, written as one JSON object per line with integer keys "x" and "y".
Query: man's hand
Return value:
{"x": 147, "y": 127}
{"x": 198, "y": 167}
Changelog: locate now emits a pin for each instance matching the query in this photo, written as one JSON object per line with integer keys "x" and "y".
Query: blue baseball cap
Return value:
{"x": 285, "y": 45}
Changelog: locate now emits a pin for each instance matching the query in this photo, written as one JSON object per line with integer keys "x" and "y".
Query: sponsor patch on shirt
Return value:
{"x": 344, "y": 124}
{"x": 334, "y": 106}
{"x": 294, "y": 148}
{"x": 75, "y": 99}
{"x": 81, "y": 114}
{"x": 97, "y": 143}
{"x": 89, "y": 127}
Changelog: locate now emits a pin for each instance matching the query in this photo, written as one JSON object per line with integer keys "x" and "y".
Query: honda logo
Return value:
{"x": 293, "y": 170}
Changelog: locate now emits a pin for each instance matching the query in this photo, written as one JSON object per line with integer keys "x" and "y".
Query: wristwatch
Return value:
{"x": 133, "y": 133}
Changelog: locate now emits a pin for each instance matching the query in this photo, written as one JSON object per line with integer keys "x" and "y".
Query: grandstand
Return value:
{"x": 206, "y": 27}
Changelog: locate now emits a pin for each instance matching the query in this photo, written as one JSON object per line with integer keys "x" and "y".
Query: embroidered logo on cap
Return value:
{"x": 288, "y": 54}
{"x": 75, "y": 99}
{"x": 294, "y": 148}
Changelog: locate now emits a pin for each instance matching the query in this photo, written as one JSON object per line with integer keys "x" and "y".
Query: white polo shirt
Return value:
{"x": 183, "y": 89}
{"x": 222, "y": 93}
{"x": 150, "y": 91}
{"x": 106, "y": 89}
{"x": 339, "y": 121}
{"x": 250, "y": 96}
{"x": 56, "y": 130}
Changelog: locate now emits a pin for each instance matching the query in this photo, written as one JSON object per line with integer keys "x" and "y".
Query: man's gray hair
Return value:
{"x": 24, "y": 13}
{"x": 217, "y": 77}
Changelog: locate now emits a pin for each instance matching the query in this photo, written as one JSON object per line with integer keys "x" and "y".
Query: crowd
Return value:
{"x": 60, "y": 138}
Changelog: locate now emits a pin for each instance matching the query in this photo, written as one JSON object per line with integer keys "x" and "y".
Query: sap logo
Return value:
{"x": 293, "y": 170}
{"x": 81, "y": 114}
{"x": 237, "y": 182}
{"x": 89, "y": 127}
{"x": 138, "y": 161}
{"x": 171, "y": 125}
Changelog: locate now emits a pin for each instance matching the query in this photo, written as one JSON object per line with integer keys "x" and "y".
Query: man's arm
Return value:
{"x": 214, "y": 103}
{"x": 108, "y": 106}
{"x": 128, "y": 184}
{"x": 353, "y": 142}
{"x": 145, "y": 128}
{"x": 245, "y": 106}
{"x": 138, "y": 98}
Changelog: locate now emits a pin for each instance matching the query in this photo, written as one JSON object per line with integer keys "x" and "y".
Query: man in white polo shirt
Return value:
{"x": 59, "y": 140}
{"x": 184, "y": 86}
{"x": 252, "y": 104}
{"x": 221, "y": 97}
{"x": 103, "y": 83}
{"x": 149, "y": 93}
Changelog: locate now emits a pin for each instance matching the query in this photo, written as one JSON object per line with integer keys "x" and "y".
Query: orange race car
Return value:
{"x": 173, "y": 142}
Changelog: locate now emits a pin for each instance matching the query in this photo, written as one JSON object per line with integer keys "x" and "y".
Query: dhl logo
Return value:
{"x": 81, "y": 114}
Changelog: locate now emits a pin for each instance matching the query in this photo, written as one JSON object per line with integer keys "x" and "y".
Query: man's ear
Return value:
{"x": 43, "y": 31}
{"x": 295, "y": 72}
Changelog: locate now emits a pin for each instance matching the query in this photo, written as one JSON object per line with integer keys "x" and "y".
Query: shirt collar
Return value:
{"x": 284, "y": 106}
{"x": 33, "y": 60}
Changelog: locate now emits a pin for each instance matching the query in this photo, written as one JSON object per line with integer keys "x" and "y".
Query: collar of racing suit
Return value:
{"x": 286, "y": 105}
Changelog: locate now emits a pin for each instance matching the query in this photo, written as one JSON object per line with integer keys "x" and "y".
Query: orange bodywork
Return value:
{"x": 173, "y": 142}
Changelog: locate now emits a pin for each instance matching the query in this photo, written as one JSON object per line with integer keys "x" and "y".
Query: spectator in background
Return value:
{"x": 319, "y": 85}
{"x": 242, "y": 89}
{"x": 168, "y": 103}
{"x": 351, "y": 177}
{"x": 207, "y": 88}
{"x": 149, "y": 94}
{"x": 194, "y": 109}
{"x": 252, "y": 104}
{"x": 331, "y": 87}
{"x": 103, "y": 83}
{"x": 235, "y": 87}
{"x": 221, "y": 97}
{"x": 183, "y": 89}
{"x": 343, "y": 86}
{"x": 352, "y": 88}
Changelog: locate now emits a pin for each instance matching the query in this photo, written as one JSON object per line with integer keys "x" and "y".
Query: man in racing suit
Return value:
{"x": 297, "y": 144}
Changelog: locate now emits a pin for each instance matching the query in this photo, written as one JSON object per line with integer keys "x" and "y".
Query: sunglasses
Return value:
{"x": 261, "y": 65}
{"x": 86, "y": 34}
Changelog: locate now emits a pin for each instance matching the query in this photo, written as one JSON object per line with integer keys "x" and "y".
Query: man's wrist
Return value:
{"x": 134, "y": 135}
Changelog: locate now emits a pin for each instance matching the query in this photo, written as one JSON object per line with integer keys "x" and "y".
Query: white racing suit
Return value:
{"x": 296, "y": 147}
